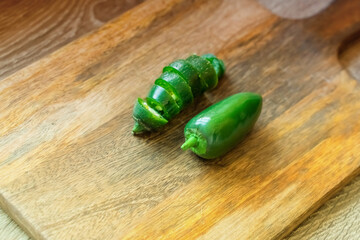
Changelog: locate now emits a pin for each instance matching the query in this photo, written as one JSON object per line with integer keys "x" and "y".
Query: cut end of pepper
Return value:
{"x": 189, "y": 143}
{"x": 138, "y": 128}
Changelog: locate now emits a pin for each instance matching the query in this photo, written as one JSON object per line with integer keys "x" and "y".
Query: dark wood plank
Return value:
{"x": 31, "y": 29}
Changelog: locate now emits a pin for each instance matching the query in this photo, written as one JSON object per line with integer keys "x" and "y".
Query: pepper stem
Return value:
{"x": 190, "y": 142}
{"x": 138, "y": 128}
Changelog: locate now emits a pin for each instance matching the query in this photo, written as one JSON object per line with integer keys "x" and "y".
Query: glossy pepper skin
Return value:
{"x": 220, "y": 127}
{"x": 178, "y": 85}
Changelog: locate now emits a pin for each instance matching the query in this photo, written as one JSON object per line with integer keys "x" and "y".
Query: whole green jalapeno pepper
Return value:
{"x": 178, "y": 85}
{"x": 220, "y": 127}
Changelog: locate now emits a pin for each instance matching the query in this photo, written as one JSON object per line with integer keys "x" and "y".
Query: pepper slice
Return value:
{"x": 165, "y": 100}
{"x": 218, "y": 64}
{"x": 155, "y": 105}
{"x": 220, "y": 127}
{"x": 188, "y": 72}
{"x": 178, "y": 86}
{"x": 146, "y": 118}
{"x": 206, "y": 72}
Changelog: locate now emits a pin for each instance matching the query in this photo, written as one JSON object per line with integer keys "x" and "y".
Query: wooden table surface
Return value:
{"x": 33, "y": 33}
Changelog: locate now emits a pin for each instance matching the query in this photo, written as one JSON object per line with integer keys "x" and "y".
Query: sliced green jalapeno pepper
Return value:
{"x": 220, "y": 127}
{"x": 177, "y": 85}
{"x": 147, "y": 117}
{"x": 166, "y": 100}
{"x": 207, "y": 73}
{"x": 176, "y": 88}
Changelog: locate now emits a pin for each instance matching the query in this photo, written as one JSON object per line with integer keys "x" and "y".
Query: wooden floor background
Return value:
{"x": 28, "y": 32}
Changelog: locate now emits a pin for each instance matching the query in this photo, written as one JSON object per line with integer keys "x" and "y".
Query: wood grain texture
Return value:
{"x": 70, "y": 168}
{"x": 32, "y": 29}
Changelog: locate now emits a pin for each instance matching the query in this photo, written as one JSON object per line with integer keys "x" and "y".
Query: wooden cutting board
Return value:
{"x": 71, "y": 169}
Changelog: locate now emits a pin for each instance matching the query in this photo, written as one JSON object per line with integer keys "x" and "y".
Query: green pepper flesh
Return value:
{"x": 218, "y": 64}
{"x": 207, "y": 73}
{"x": 188, "y": 72}
{"x": 164, "y": 97}
{"x": 146, "y": 118}
{"x": 179, "y": 86}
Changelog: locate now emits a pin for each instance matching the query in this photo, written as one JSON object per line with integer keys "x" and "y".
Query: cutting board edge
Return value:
{"x": 296, "y": 223}
{"x": 19, "y": 219}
